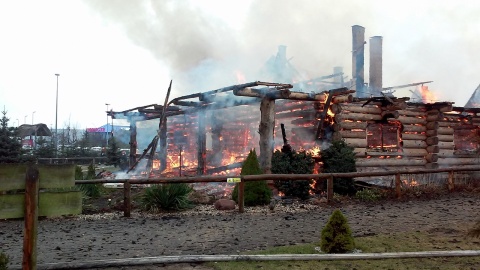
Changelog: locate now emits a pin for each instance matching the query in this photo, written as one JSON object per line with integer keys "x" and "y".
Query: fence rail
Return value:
{"x": 241, "y": 179}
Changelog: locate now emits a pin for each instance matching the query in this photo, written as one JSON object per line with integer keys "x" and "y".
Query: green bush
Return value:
{"x": 256, "y": 192}
{"x": 340, "y": 158}
{"x": 290, "y": 162}
{"x": 4, "y": 259}
{"x": 368, "y": 195}
{"x": 336, "y": 235}
{"x": 166, "y": 197}
{"x": 88, "y": 190}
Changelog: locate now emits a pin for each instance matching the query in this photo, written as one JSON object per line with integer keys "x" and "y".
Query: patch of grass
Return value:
{"x": 431, "y": 240}
{"x": 166, "y": 197}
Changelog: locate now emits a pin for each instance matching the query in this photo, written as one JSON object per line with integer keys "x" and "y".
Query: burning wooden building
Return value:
{"x": 212, "y": 132}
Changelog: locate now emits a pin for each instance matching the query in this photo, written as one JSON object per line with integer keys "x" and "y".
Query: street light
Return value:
{"x": 32, "y": 116}
{"x": 56, "y": 118}
{"x": 25, "y": 119}
{"x": 18, "y": 122}
{"x": 106, "y": 127}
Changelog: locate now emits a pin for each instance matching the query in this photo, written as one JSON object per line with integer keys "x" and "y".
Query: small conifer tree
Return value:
{"x": 256, "y": 192}
{"x": 340, "y": 158}
{"x": 336, "y": 235}
{"x": 10, "y": 147}
{"x": 113, "y": 154}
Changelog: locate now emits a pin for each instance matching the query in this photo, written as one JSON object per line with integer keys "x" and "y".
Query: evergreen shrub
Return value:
{"x": 340, "y": 158}
{"x": 4, "y": 259}
{"x": 288, "y": 161}
{"x": 256, "y": 192}
{"x": 336, "y": 235}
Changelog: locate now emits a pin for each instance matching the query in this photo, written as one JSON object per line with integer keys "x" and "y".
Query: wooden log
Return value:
{"x": 330, "y": 189}
{"x": 350, "y": 125}
{"x": 431, "y": 166}
{"x": 431, "y": 158}
{"x": 408, "y": 112}
{"x": 202, "y": 145}
{"x": 359, "y": 152}
{"x": 446, "y": 153}
{"x": 451, "y": 183}
{"x": 445, "y": 138}
{"x": 127, "y": 199}
{"x": 266, "y": 129}
{"x": 409, "y": 136}
{"x": 355, "y": 108}
{"x": 414, "y": 128}
{"x": 390, "y": 114}
{"x": 446, "y": 145}
{"x": 414, "y": 144}
{"x": 431, "y": 140}
{"x": 341, "y": 99}
{"x": 398, "y": 186}
{"x": 241, "y": 197}
{"x": 414, "y": 152}
{"x": 352, "y": 134}
{"x": 431, "y": 133}
{"x": 458, "y": 161}
{"x": 399, "y": 105}
{"x": 412, "y": 120}
{"x": 357, "y": 117}
{"x": 433, "y": 148}
{"x": 379, "y": 162}
{"x": 431, "y": 125}
{"x": 31, "y": 218}
{"x": 434, "y": 117}
{"x": 356, "y": 143}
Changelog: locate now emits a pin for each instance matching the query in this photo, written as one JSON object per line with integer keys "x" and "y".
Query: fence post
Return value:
{"x": 329, "y": 189}
{"x": 451, "y": 183}
{"x": 127, "y": 202}
{"x": 241, "y": 196}
{"x": 398, "y": 186}
{"x": 31, "y": 218}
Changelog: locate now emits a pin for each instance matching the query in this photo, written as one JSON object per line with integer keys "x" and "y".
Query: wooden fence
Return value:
{"x": 127, "y": 183}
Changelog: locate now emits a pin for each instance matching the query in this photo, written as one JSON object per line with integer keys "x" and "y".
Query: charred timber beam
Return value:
{"x": 286, "y": 94}
{"x": 224, "y": 168}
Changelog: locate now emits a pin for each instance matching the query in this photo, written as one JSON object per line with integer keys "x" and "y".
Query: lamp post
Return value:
{"x": 32, "y": 116}
{"x": 18, "y": 122}
{"x": 106, "y": 128}
{"x": 56, "y": 118}
{"x": 25, "y": 119}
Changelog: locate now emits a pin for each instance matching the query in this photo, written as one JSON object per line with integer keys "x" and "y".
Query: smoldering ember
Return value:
{"x": 211, "y": 132}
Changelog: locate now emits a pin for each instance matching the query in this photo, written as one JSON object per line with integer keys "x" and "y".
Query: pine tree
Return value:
{"x": 113, "y": 154}
{"x": 256, "y": 192}
{"x": 288, "y": 161}
{"x": 336, "y": 235}
{"x": 340, "y": 158}
{"x": 10, "y": 147}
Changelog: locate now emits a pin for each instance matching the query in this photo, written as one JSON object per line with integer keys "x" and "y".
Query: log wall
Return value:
{"x": 426, "y": 139}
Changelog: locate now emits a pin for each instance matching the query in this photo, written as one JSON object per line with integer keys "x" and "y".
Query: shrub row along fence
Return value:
{"x": 127, "y": 183}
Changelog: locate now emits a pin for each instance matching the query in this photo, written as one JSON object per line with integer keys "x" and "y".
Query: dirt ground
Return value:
{"x": 107, "y": 235}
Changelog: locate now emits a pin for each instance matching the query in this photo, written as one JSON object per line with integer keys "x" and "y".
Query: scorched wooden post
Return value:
{"x": 266, "y": 128}
{"x": 202, "y": 144}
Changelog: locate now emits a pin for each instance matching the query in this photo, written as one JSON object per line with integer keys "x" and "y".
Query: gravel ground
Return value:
{"x": 205, "y": 230}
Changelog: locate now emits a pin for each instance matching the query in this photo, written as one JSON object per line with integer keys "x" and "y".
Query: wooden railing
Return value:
{"x": 127, "y": 183}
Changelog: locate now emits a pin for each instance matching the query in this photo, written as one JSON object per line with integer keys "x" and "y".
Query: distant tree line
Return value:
{"x": 70, "y": 144}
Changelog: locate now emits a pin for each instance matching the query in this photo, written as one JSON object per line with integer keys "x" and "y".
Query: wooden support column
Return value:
{"x": 217, "y": 146}
{"x": 398, "y": 186}
{"x": 241, "y": 196}
{"x": 162, "y": 151}
{"x": 127, "y": 201}
{"x": 31, "y": 218}
{"x": 451, "y": 183}
{"x": 329, "y": 189}
{"x": 133, "y": 142}
{"x": 266, "y": 128}
{"x": 202, "y": 144}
